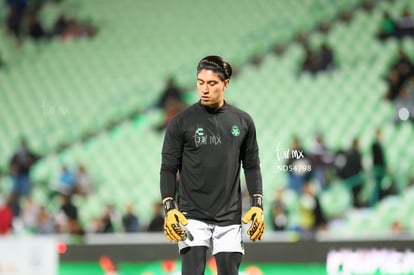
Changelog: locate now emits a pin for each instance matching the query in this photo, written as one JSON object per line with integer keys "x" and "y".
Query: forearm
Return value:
{"x": 167, "y": 183}
{"x": 254, "y": 180}
{"x": 255, "y": 213}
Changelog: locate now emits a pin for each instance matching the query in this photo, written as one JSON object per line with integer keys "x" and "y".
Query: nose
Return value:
{"x": 205, "y": 89}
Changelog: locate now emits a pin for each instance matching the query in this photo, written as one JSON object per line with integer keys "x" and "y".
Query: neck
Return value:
{"x": 219, "y": 104}
{"x": 214, "y": 108}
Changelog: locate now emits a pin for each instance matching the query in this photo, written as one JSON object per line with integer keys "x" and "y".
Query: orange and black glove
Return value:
{"x": 172, "y": 220}
{"x": 255, "y": 214}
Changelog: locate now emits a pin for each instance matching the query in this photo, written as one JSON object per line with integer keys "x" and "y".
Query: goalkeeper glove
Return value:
{"x": 255, "y": 214}
{"x": 173, "y": 218}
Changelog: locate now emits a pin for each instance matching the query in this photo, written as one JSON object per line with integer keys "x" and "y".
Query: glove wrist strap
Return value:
{"x": 256, "y": 201}
{"x": 168, "y": 204}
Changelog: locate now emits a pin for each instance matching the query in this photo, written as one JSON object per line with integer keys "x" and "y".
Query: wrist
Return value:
{"x": 168, "y": 204}
{"x": 256, "y": 200}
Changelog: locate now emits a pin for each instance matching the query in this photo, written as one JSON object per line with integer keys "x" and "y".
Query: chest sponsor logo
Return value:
{"x": 201, "y": 138}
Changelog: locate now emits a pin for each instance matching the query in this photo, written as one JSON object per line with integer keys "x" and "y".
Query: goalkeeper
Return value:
{"x": 206, "y": 144}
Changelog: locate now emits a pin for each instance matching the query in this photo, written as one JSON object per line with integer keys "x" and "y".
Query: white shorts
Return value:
{"x": 219, "y": 238}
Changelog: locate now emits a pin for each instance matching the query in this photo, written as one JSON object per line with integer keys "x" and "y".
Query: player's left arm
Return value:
{"x": 251, "y": 167}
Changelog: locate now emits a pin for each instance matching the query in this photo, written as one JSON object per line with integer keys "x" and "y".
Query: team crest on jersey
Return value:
{"x": 235, "y": 131}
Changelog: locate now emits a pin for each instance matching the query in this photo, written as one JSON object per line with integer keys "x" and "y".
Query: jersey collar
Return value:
{"x": 213, "y": 110}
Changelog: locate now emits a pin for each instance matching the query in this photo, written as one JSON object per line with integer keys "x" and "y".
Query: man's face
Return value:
{"x": 211, "y": 88}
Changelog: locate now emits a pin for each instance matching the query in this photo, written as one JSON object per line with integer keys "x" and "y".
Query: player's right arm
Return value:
{"x": 171, "y": 163}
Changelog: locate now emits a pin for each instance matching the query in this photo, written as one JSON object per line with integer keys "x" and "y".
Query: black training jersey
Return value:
{"x": 207, "y": 146}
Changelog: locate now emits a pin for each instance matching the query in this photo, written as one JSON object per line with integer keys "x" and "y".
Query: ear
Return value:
{"x": 226, "y": 83}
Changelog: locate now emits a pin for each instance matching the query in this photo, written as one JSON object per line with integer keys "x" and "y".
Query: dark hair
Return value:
{"x": 216, "y": 64}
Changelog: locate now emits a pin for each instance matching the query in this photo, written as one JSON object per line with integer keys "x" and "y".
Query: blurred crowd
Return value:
{"x": 396, "y": 28}
{"x": 317, "y": 61}
{"x": 23, "y": 21}
{"x": 170, "y": 102}
{"x": 59, "y": 213}
{"x": 400, "y": 85}
{"x": 310, "y": 172}
{"x": 400, "y": 74}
